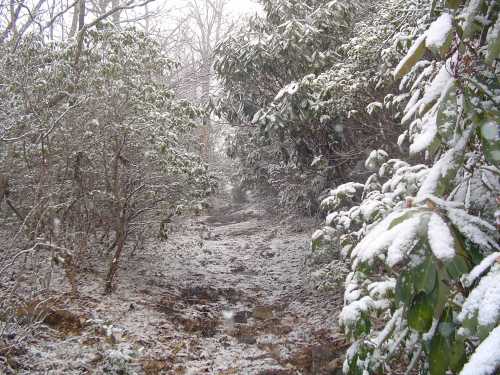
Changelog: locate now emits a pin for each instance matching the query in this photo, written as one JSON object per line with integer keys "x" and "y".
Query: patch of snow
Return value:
{"x": 441, "y": 168}
{"x": 371, "y": 107}
{"x": 494, "y": 32}
{"x": 411, "y": 52}
{"x": 410, "y": 112}
{"x": 382, "y": 336}
{"x": 478, "y": 270}
{"x": 438, "y": 85}
{"x": 441, "y": 240}
{"x": 337, "y": 195}
{"x": 484, "y": 300}
{"x": 413, "y": 100}
{"x": 330, "y": 217}
{"x": 473, "y": 228}
{"x": 468, "y": 14}
{"x": 352, "y": 295}
{"x": 317, "y": 235}
{"x": 486, "y": 358}
{"x": 427, "y": 135}
{"x": 351, "y": 313}
{"x": 369, "y": 207}
{"x": 379, "y": 289}
{"x": 404, "y": 241}
{"x": 228, "y": 314}
{"x": 289, "y": 89}
{"x": 381, "y": 237}
{"x": 425, "y": 73}
{"x": 402, "y": 138}
{"x": 438, "y": 32}
{"x": 349, "y": 355}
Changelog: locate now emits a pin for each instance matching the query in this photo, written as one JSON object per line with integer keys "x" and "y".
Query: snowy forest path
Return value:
{"x": 227, "y": 293}
{"x": 242, "y": 297}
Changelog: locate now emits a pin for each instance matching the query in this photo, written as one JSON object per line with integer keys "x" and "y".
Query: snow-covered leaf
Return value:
{"x": 440, "y": 238}
{"x": 438, "y": 36}
{"x": 414, "y": 54}
{"x": 486, "y": 358}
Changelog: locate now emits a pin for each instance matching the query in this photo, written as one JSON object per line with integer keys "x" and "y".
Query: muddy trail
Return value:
{"x": 227, "y": 293}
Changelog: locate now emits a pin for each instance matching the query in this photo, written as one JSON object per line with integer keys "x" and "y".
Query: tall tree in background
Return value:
{"x": 62, "y": 19}
{"x": 197, "y": 32}
{"x": 208, "y": 19}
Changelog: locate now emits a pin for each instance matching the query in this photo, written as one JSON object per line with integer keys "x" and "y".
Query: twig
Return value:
{"x": 414, "y": 361}
{"x": 128, "y": 5}
{"x": 47, "y": 133}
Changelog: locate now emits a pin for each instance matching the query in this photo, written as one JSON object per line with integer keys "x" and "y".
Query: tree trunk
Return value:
{"x": 4, "y": 186}
{"x": 205, "y": 95}
{"x": 116, "y": 15}
{"x": 74, "y": 21}
{"x": 81, "y": 15}
{"x": 146, "y": 20}
{"x": 121, "y": 233}
{"x": 120, "y": 222}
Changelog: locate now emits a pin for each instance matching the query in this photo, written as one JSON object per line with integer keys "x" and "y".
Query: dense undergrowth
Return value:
{"x": 421, "y": 237}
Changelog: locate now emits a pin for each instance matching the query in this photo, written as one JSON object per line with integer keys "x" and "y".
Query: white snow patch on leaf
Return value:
{"x": 389, "y": 327}
{"x": 318, "y": 234}
{"x": 410, "y": 112}
{"x": 425, "y": 73}
{"x": 371, "y": 107}
{"x": 289, "y": 89}
{"x": 473, "y": 228}
{"x": 411, "y": 52}
{"x": 351, "y": 313}
{"x": 402, "y": 138}
{"x": 381, "y": 237}
{"x": 352, "y": 296}
{"x": 486, "y": 358}
{"x": 426, "y": 136}
{"x": 413, "y": 100}
{"x": 438, "y": 85}
{"x": 437, "y": 33}
{"x": 331, "y": 217}
{"x": 484, "y": 300}
{"x": 468, "y": 15}
{"x": 380, "y": 289}
{"x": 404, "y": 241}
{"x": 370, "y": 207}
{"x": 440, "y": 238}
{"x": 478, "y": 270}
{"x": 441, "y": 168}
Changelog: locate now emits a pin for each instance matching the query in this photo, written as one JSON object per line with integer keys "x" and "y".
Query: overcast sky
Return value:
{"x": 243, "y": 6}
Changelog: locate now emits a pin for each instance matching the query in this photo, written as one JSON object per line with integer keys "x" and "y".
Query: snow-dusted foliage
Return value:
{"x": 424, "y": 283}
{"x": 92, "y": 137}
{"x": 306, "y": 82}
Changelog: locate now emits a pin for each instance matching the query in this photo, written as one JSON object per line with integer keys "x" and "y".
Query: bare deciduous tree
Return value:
{"x": 193, "y": 39}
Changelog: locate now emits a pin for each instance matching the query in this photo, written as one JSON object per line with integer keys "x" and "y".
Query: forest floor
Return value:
{"x": 227, "y": 293}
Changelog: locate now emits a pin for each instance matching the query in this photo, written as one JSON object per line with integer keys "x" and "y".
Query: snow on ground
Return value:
{"x": 227, "y": 293}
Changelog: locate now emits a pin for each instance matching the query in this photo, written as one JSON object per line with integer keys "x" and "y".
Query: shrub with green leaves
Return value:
{"x": 424, "y": 286}
{"x": 93, "y": 138}
{"x": 304, "y": 84}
